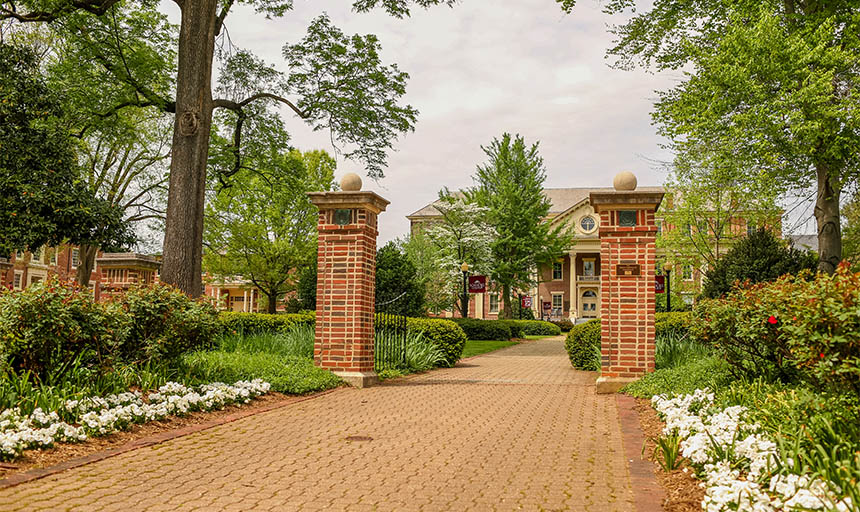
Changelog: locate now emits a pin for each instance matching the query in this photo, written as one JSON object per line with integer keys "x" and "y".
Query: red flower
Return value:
{"x": 821, "y": 355}
{"x": 771, "y": 320}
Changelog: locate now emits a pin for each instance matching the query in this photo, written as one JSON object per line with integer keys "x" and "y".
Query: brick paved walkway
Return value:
{"x": 513, "y": 430}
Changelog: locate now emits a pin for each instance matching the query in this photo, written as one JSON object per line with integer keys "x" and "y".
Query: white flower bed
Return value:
{"x": 736, "y": 459}
{"x": 97, "y": 416}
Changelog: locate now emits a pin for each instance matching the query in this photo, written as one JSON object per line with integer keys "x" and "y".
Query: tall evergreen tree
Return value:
{"x": 510, "y": 186}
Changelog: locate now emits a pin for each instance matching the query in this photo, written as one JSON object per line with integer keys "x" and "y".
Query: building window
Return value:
{"x": 556, "y": 271}
{"x": 589, "y": 302}
{"x": 687, "y": 272}
{"x": 37, "y": 256}
{"x": 16, "y": 281}
{"x": 557, "y": 304}
{"x": 587, "y": 223}
{"x": 588, "y": 267}
{"x": 54, "y": 256}
{"x": 19, "y": 255}
{"x": 494, "y": 303}
{"x": 76, "y": 257}
{"x": 35, "y": 279}
{"x": 116, "y": 275}
{"x": 750, "y": 227}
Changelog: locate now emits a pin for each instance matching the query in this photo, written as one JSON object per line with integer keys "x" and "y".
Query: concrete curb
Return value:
{"x": 161, "y": 437}
{"x": 647, "y": 493}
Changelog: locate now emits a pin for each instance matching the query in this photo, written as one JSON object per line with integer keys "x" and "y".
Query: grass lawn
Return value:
{"x": 540, "y": 336}
{"x": 475, "y": 347}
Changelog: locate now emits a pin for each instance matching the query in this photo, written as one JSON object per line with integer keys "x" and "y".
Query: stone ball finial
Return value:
{"x": 624, "y": 180}
{"x": 351, "y": 182}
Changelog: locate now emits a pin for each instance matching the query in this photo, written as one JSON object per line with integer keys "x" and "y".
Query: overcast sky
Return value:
{"x": 477, "y": 70}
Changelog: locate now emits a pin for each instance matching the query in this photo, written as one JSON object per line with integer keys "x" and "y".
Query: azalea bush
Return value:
{"x": 797, "y": 328}
{"x": 50, "y": 326}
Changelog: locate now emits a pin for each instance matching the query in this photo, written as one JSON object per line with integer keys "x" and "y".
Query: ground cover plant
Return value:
{"x": 768, "y": 417}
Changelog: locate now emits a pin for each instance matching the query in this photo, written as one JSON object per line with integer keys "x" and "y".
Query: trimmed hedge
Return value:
{"x": 477, "y": 329}
{"x": 583, "y": 345}
{"x": 538, "y": 328}
{"x": 253, "y": 323}
{"x": 442, "y": 332}
{"x": 564, "y": 325}
{"x": 583, "y": 340}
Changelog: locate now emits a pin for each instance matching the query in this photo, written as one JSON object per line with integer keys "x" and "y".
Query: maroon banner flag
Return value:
{"x": 477, "y": 284}
{"x": 660, "y": 284}
{"x": 547, "y": 306}
{"x": 526, "y": 302}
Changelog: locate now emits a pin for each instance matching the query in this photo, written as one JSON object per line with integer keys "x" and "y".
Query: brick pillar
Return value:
{"x": 627, "y": 258}
{"x": 346, "y": 281}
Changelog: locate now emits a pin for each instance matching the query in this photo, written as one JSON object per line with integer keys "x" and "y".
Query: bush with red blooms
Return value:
{"x": 803, "y": 327}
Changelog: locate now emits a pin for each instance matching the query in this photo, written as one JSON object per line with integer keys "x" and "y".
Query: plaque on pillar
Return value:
{"x": 628, "y": 234}
{"x": 346, "y": 266}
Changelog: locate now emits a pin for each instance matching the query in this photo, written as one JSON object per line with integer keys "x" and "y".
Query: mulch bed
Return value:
{"x": 682, "y": 491}
{"x": 138, "y": 436}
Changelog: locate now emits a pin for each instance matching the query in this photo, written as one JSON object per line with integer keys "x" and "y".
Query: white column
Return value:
{"x": 245, "y": 301}
{"x": 479, "y": 305}
{"x": 251, "y": 305}
{"x": 574, "y": 303}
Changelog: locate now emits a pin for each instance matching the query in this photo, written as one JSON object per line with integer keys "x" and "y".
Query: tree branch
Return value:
{"x": 97, "y": 7}
{"x": 237, "y": 106}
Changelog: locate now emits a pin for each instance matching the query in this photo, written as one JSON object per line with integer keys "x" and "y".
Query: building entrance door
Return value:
{"x": 588, "y": 304}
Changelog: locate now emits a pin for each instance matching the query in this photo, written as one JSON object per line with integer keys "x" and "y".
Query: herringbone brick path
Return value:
{"x": 513, "y": 430}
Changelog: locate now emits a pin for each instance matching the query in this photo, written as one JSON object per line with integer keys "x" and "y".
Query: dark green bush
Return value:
{"x": 251, "y": 323}
{"x": 477, "y": 329}
{"x": 443, "y": 333}
{"x": 676, "y": 323}
{"x": 50, "y": 326}
{"x": 583, "y": 345}
{"x": 758, "y": 258}
{"x": 517, "y": 329}
{"x": 564, "y": 325}
{"x": 165, "y": 323}
{"x": 538, "y": 328}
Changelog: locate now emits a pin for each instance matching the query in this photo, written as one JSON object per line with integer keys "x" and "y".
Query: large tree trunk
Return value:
{"x": 183, "y": 238}
{"x": 827, "y": 219}
{"x": 86, "y": 265}
{"x": 272, "y": 303}
{"x": 507, "y": 311}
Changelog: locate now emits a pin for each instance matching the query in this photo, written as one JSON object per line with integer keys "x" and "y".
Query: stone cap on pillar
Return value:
{"x": 349, "y": 199}
{"x": 646, "y": 196}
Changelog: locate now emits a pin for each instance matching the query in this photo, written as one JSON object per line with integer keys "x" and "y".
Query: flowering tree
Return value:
{"x": 461, "y": 235}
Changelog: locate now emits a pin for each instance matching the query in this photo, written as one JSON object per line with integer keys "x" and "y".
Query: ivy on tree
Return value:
{"x": 335, "y": 82}
{"x": 42, "y": 197}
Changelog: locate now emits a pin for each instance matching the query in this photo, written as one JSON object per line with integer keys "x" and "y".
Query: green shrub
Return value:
{"x": 165, "y": 323}
{"x": 538, "y": 328}
{"x": 760, "y": 257}
{"x": 517, "y": 329}
{"x": 249, "y": 323}
{"x": 583, "y": 345}
{"x": 477, "y": 329}
{"x": 797, "y": 327}
{"x": 50, "y": 327}
{"x": 443, "y": 333}
{"x": 708, "y": 372}
{"x": 675, "y": 323}
{"x": 673, "y": 349}
{"x": 286, "y": 374}
{"x": 564, "y": 325}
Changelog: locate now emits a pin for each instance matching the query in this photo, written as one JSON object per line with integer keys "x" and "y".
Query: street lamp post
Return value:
{"x": 667, "y": 267}
{"x": 465, "y": 268}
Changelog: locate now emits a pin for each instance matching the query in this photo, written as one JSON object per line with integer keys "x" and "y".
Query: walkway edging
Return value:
{"x": 151, "y": 440}
{"x": 647, "y": 492}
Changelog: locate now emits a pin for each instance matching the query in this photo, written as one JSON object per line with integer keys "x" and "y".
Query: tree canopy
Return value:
{"x": 263, "y": 228}
{"x": 335, "y": 82}
{"x": 399, "y": 289}
{"x": 43, "y": 199}
{"x": 510, "y": 187}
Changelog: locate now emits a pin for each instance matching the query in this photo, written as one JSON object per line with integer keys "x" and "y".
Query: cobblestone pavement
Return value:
{"x": 518, "y": 429}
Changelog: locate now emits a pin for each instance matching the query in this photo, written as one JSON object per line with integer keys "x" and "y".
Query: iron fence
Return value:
{"x": 389, "y": 345}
